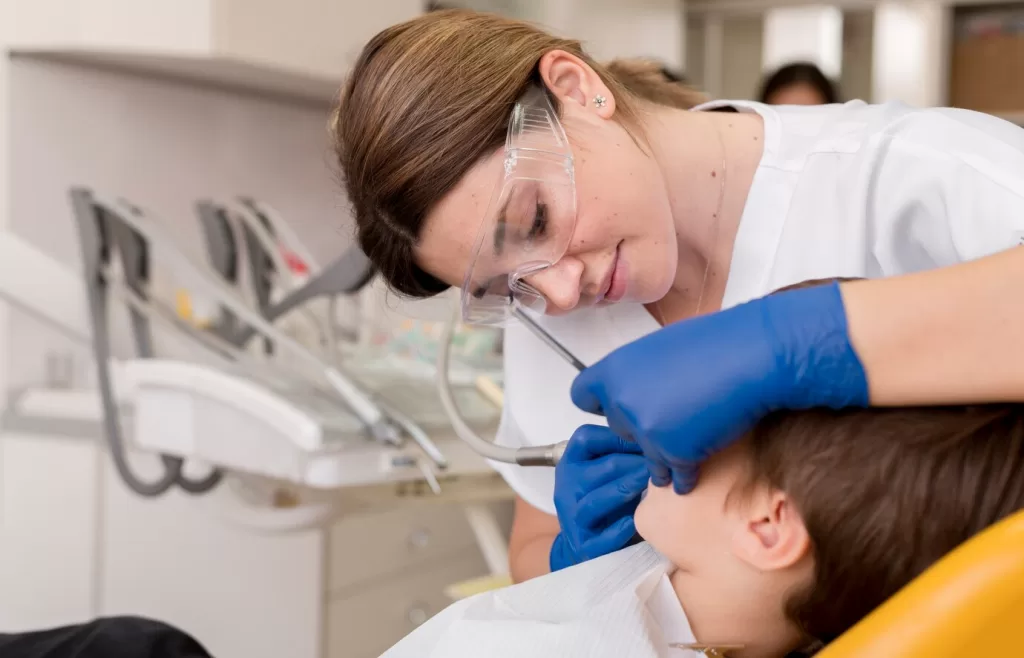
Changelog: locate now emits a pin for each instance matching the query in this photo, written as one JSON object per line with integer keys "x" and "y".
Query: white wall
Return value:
{"x": 163, "y": 145}
{"x": 607, "y": 28}
{"x": 696, "y": 46}
{"x": 6, "y": 23}
{"x": 742, "y": 39}
{"x": 612, "y": 28}
{"x": 855, "y": 81}
{"x": 319, "y": 37}
{"x": 813, "y": 33}
{"x": 911, "y": 54}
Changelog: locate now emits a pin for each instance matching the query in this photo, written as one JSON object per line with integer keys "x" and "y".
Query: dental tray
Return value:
{"x": 197, "y": 412}
{"x": 200, "y": 413}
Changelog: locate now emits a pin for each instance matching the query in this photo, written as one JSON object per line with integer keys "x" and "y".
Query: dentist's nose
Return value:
{"x": 560, "y": 285}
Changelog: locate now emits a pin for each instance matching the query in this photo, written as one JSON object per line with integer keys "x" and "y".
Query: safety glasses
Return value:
{"x": 530, "y": 217}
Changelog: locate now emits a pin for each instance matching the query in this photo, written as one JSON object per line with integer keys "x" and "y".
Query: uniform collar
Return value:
{"x": 772, "y": 123}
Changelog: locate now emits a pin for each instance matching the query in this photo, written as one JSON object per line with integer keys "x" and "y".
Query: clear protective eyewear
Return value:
{"x": 530, "y": 218}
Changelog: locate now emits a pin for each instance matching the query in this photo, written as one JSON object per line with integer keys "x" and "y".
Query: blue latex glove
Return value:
{"x": 691, "y": 388}
{"x": 598, "y": 484}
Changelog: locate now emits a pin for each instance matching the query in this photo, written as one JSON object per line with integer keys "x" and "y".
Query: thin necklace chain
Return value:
{"x": 717, "y": 219}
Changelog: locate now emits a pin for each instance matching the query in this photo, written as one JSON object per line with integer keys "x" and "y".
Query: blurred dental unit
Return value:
{"x": 258, "y": 380}
{"x": 212, "y": 413}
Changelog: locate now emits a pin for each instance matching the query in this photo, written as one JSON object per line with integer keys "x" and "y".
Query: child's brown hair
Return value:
{"x": 885, "y": 493}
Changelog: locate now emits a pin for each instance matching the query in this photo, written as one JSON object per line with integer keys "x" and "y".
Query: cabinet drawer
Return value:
{"x": 371, "y": 621}
{"x": 364, "y": 548}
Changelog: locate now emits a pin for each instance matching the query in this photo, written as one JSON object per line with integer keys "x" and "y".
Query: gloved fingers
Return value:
{"x": 611, "y": 501}
{"x": 561, "y": 555}
{"x": 684, "y": 479}
{"x": 615, "y": 537}
{"x": 661, "y": 475}
{"x": 591, "y": 441}
{"x": 594, "y": 474}
{"x": 588, "y": 389}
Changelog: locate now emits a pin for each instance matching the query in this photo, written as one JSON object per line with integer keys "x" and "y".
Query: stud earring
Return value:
{"x": 600, "y": 101}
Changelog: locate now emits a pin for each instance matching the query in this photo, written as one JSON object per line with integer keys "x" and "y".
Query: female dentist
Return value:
{"x": 484, "y": 153}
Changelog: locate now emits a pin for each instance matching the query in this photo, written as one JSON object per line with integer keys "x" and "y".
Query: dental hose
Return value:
{"x": 530, "y": 456}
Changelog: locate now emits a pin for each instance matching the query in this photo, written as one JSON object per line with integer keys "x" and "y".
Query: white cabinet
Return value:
{"x": 75, "y": 544}
{"x": 47, "y": 533}
{"x": 299, "y": 48}
{"x": 239, "y": 592}
{"x": 365, "y": 622}
{"x": 369, "y": 548}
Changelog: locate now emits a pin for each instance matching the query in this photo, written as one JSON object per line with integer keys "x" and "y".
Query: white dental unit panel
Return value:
{"x": 74, "y": 542}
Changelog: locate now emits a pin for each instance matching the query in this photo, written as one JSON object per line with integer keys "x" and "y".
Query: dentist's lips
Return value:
{"x": 617, "y": 286}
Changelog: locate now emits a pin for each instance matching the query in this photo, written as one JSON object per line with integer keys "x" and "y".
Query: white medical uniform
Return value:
{"x": 850, "y": 190}
{"x": 621, "y": 605}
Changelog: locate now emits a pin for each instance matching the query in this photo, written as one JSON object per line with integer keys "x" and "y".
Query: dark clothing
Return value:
{"x": 111, "y": 637}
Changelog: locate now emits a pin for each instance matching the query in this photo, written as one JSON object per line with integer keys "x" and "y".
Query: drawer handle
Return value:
{"x": 419, "y": 539}
{"x": 418, "y": 614}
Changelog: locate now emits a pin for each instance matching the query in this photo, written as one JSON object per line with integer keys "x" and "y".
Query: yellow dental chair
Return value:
{"x": 971, "y": 603}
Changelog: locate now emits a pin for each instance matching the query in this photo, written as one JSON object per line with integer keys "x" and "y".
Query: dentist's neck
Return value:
{"x": 708, "y": 160}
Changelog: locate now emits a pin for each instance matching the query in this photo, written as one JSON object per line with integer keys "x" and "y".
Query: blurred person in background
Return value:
{"x": 800, "y": 83}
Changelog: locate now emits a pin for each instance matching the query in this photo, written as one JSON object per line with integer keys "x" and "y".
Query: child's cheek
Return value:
{"x": 650, "y": 516}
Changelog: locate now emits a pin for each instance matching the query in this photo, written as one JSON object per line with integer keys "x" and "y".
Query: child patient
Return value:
{"x": 790, "y": 537}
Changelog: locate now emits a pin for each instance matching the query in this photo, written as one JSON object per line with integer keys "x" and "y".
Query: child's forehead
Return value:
{"x": 736, "y": 457}
{"x": 729, "y": 469}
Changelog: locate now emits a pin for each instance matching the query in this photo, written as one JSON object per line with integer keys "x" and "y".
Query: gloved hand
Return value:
{"x": 598, "y": 484}
{"x": 691, "y": 388}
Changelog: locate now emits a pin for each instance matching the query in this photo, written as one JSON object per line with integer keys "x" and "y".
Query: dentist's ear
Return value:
{"x": 572, "y": 80}
{"x": 772, "y": 535}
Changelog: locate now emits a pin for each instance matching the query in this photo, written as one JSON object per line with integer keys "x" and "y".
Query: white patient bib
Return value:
{"x": 617, "y": 606}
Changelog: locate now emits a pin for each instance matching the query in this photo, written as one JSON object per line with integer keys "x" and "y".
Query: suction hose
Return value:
{"x": 531, "y": 456}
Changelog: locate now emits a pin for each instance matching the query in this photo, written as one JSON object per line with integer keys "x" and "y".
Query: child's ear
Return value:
{"x": 771, "y": 535}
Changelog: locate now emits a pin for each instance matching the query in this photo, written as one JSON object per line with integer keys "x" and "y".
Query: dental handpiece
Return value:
{"x": 547, "y": 338}
{"x": 548, "y": 455}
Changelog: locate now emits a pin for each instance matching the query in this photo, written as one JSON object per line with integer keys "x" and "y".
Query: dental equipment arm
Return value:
{"x": 222, "y": 250}
{"x": 358, "y": 401}
{"x": 44, "y": 288}
{"x": 345, "y": 276}
{"x": 529, "y": 456}
{"x": 100, "y": 230}
{"x": 266, "y": 262}
{"x": 266, "y": 213}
